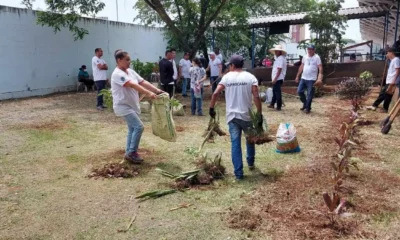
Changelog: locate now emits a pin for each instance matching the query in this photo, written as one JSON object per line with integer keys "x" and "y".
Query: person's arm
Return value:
{"x": 320, "y": 75}
{"x": 299, "y": 72}
{"x": 278, "y": 73}
{"x": 220, "y": 69}
{"x": 256, "y": 98}
{"x": 150, "y": 87}
{"x": 215, "y": 95}
{"x": 161, "y": 67}
{"x": 397, "y": 75}
{"x": 140, "y": 89}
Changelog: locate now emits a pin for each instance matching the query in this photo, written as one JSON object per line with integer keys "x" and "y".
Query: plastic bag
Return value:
{"x": 178, "y": 110}
{"x": 197, "y": 91}
{"x": 162, "y": 122}
{"x": 268, "y": 95}
{"x": 286, "y": 139}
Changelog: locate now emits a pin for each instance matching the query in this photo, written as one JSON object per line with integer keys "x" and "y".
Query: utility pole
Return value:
{"x": 116, "y": 3}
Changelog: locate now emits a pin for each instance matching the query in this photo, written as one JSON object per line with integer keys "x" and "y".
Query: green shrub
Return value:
{"x": 107, "y": 97}
{"x": 143, "y": 69}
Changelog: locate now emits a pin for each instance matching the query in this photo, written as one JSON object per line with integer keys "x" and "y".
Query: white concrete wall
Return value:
{"x": 35, "y": 61}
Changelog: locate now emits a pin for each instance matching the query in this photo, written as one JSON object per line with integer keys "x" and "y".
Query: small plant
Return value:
{"x": 213, "y": 130}
{"x": 143, "y": 69}
{"x": 107, "y": 97}
{"x": 258, "y": 134}
{"x": 355, "y": 89}
{"x": 174, "y": 102}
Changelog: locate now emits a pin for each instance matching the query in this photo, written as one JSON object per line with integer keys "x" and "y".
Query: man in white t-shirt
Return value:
{"x": 184, "y": 66}
{"x": 387, "y": 91}
{"x": 215, "y": 68}
{"x": 99, "y": 68}
{"x": 311, "y": 67}
{"x": 218, "y": 54}
{"x": 278, "y": 75}
{"x": 241, "y": 88}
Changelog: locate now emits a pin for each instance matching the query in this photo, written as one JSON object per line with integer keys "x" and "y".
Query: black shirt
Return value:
{"x": 166, "y": 71}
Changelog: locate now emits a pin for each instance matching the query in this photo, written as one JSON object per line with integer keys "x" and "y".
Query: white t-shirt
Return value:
{"x": 125, "y": 99}
{"x": 238, "y": 94}
{"x": 175, "y": 76}
{"x": 219, "y": 56}
{"x": 280, "y": 62}
{"x": 214, "y": 67}
{"x": 394, "y": 64}
{"x": 98, "y": 74}
{"x": 185, "y": 65}
{"x": 310, "y": 70}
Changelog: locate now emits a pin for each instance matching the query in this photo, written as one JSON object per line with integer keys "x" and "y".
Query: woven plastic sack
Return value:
{"x": 178, "y": 110}
{"x": 286, "y": 139}
{"x": 161, "y": 118}
{"x": 268, "y": 95}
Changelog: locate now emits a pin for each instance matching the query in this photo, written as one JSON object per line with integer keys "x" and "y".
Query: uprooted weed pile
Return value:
{"x": 207, "y": 171}
{"x": 115, "y": 170}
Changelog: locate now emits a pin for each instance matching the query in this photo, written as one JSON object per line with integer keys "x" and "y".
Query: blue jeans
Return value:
{"x": 185, "y": 82}
{"x": 236, "y": 126}
{"x": 309, "y": 85}
{"x": 277, "y": 94}
{"x": 135, "y": 130}
{"x": 100, "y": 85}
{"x": 199, "y": 102}
{"x": 214, "y": 83}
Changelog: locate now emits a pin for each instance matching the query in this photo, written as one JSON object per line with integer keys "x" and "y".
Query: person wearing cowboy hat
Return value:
{"x": 278, "y": 75}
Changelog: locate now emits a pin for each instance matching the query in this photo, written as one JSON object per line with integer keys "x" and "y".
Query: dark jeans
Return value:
{"x": 277, "y": 94}
{"x": 185, "y": 82}
{"x": 214, "y": 82}
{"x": 309, "y": 85}
{"x": 169, "y": 88}
{"x": 88, "y": 82}
{"x": 199, "y": 102}
{"x": 236, "y": 126}
{"x": 100, "y": 85}
{"x": 383, "y": 97}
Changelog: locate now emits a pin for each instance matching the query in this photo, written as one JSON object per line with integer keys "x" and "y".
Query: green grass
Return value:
{"x": 48, "y": 195}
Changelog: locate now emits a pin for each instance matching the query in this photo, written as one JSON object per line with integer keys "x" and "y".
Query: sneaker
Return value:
{"x": 372, "y": 108}
{"x": 200, "y": 114}
{"x": 278, "y": 109}
{"x": 307, "y": 111}
{"x": 103, "y": 107}
{"x": 100, "y": 108}
{"x": 252, "y": 168}
{"x": 270, "y": 106}
{"x": 303, "y": 108}
{"x": 383, "y": 111}
{"x": 134, "y": 158}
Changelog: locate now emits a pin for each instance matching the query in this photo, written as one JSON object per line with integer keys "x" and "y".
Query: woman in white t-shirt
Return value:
{"x": 126, "y": 85}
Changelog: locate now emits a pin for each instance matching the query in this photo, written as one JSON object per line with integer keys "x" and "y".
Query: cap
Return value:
{"x": 211, "y": 53}
{"x": 311, "y": 46}
{"x": 390, "y": 49}
{"x": 236, "y": 60}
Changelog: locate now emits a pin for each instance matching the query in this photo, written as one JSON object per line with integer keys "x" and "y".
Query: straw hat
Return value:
{"x": 278, "y": 48}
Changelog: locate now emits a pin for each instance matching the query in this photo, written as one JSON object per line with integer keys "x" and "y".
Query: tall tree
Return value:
{"x": 66, "y": 13}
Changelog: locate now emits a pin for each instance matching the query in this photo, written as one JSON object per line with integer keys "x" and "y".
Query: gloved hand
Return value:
{"x": 260, "y": 120}
{"x": 212, "y": 113}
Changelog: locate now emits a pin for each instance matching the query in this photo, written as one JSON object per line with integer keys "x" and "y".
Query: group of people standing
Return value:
{"x": 241, "y": 89}
{"x": 309, "y": 75}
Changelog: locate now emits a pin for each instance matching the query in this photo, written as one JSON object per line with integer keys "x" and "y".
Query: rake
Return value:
{"x": 386, "y": 124}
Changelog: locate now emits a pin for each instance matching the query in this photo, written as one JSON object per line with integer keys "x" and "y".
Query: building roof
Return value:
{"x": 373, "y": 29}
{"x": 299, "y": 18}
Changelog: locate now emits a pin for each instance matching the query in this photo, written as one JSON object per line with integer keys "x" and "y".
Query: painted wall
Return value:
{"x": 35, "y": 61}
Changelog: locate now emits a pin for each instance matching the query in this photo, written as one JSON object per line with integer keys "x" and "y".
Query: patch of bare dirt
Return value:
{"x": 45, "y": 125}
{"x": 293, "y": 206}
{"x": 179, "y": 128}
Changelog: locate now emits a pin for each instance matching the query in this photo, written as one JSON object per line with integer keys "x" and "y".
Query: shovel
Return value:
{"x": 386, "y": 124}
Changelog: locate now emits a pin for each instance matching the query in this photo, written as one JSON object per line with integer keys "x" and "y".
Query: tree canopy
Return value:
{"x": 187, "y": 22}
